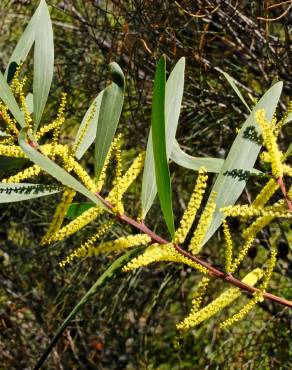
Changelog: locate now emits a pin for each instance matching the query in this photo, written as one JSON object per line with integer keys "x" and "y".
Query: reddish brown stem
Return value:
{"x": 212, "y": 270}
{"x": 284, "y": 191}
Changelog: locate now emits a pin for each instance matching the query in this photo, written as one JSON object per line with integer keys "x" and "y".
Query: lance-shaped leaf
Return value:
{"x": 109, "y": 115}
{"x": 10, "y": 193}
{"x": 242, "y": 155}
{"x": 159, "y": 145}
{"x": 8, "y": 98}
{"x": 24, "y": 44}
{"x": 232, "y": 83}
{"x": 173, "y": 98}
{"x": 195, "y": 163}
{"x": 43, "y": 62}
{"x": 54, "y": 170}
{"x": 87, "y": 131}
{"x": 111, "y": 272}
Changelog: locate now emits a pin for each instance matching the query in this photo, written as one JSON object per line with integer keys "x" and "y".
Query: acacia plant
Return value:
{"x": 30, "y": 146}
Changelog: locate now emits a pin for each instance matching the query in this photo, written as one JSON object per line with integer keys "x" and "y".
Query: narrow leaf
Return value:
{"x": 242, "y": 155}
{"x": 109, "y": 115}
{"x": 54, "y": 170}
{"x": 88, "y": 137}
{"x": 173, "y": 98}
{"x": 108, "y": 275}
{"x": 43, "y": 62}
{"x": 159, "y": 145}
{"x": 195, "y": 163}
{"x": 10, "y": 193}
{"x": 24, "y": 44}
{"x": 232, "y": 82}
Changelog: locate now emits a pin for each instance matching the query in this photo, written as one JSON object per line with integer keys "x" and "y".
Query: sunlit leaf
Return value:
{"x": 242, "y": 155}
{"x": 159, "y": 145}
{"x": 173, "y": 98}
{"x": 109, "y": 115}
{"x": 10, "y": 193}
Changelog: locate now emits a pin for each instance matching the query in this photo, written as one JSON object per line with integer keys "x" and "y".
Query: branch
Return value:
{"x": 212, "y": 270}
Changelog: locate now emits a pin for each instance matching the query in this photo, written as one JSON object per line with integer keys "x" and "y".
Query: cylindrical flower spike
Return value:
{"x": 192, "y": 208}
{"x": 270, "y": 142}
{"x": 161, "y": 253}
{"x": 219, "y": 303}
{"x": 203, "y": 224}
{"x": 23, "y": 175}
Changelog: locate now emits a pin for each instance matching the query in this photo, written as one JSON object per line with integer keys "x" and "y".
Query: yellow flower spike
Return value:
{"x": 192, "y": 208}
{"x": 287, "y": 170}
{"x": 47, "y": 128}
{"x": 121, "y": 243}
{"x": 258, "y": 296}
{"x": 85, "y": 128}
{"x": 263, "y": 221}
{"x": 199, "y": 294}
{"x": 270, "y": 143}
{"x": 60, "y": 118}
{"x": 161, "y": 253}
{"x": 11, "y": 151}
{"x": 78, "y": 223}
{"x": 86, "y": 248}
{"x": 219, "y": 303}
{"x": 229, "y": 246}
{"x": 116, "y": 194}
{"x": 10, "y": 122}
{"x": 251, "y": 211}
{"x": 203, "y": 224}
{"x": 118, "y": 158}
{"x": 266, "y": 193}
{"x": 242, "y": 254}
{"x": 60, "y": 213}
{"x": 23, "y": 175}
{"x": 102, "y": 175}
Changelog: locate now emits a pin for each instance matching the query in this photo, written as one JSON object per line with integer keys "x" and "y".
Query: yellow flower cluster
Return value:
{"x": 10, "y": 122}
{"x": 229, "y": 246}
{"x": 116, "y": 194}
{"x": 114, "y": 145}
{"x": 219, "y": 303}
{"x": 256, "y": 226}
{"x": 11, "y": 151}
{"x": 86, "y": 248}
{"x": 60, "y": 118}
{"x": 258, "y": 296}
{"x": 118, "y": 159}
{"x": 85, "y": 128}
{"x": 192, "y": 208}
{"x": 270, "y": 142}
{"x": 161, "y": 253}
{"x": 78, "y": 223}
{"x": 17, "y": 88}
{"x": 266, "y": 193}
{"x": 242, "y": 254}
{"x": 251, "y": 211}
{"x": 287, "y": 170}
{"x": 23, "y": 175}
{"x": 121, "y": 243}
{"x": 60, "y": 213}
{"x": 199, "y": 294}
{"x": 203, "y": 224}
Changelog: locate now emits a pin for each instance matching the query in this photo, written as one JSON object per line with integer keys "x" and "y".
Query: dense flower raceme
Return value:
{"x": 260, "y": 212}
